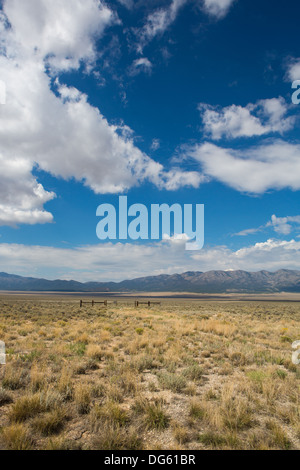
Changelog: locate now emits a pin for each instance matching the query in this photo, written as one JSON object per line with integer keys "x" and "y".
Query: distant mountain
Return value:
{"x": 198, "y": 282}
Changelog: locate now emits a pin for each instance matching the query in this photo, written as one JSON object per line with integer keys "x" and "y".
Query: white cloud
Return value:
{"x": 293, "y": 72}
{"x": 231, "y": 122}
{"x": 270, "y": 255}
{"x": 158, "y": 22}
{"x": 161, "y": 19}
{"x": 60, "y": 131}
{"x": 105, "y": 261}
{"x": 21, "y": 196}
{"x": 271, "y": 165}
{"x": 155, "y": 144}
{"x": 284, "y": 225}
{"x": 281, "y": 225}
{"x": 264, "y": 117}
{"x": 176, "y": 179}
{"x": 273, "y": 113}
{"x": 62, "y": 33}
{"x": 69, "y": 138}
{"x": 141, "y": 65}
{"x": 109, "y": 261}
{"x": 246, "y": 232}
{"x": 217, "y": 8}
{"x": 127, "y": 3}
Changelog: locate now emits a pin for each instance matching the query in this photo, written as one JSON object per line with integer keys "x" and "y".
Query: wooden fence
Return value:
{"x": 137, "y": 303}
{"x": 93, "y": 302}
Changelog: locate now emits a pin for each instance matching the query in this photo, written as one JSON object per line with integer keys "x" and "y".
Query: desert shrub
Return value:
{"x": 212, "y": 439}
{"x": 17, "y": 437}
{"x": 152, "y": 413}
{"x": 5, "y": 397}
{"x": 78, "y": 348}
{"x": 278, "y": 436}
{"x": 196, "y": 410}
{"x": 112, "y": 437}
{"x": 110, "y": 413}
{"x": 170, "y": 381}
{"x": 139, "y": 331}
{"x": 26, "y": 407}
{"x": 50, "y": 423}
{"x": 15, "y": 378}
{"x": 62, "y": 443}
{"x": 82, "y": 398}
{"x": 65, "y": 385}
{"x": 194, "y": 372}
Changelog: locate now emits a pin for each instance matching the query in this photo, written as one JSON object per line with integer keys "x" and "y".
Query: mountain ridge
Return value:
{"x": 239, "y": 281}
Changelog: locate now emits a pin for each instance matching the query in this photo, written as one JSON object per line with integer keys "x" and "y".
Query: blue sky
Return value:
{"x": 174, "y": 101}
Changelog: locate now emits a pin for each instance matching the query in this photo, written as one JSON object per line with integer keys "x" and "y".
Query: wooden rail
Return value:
{"x": 93, "y": 302}
{"x": 137, "y": 303}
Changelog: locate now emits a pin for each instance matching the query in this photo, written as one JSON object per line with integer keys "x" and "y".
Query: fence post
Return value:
{"x": 93, "y": 303}
{"x": 149, "y": 303}
{"x": 80, "y": 303}
{"x": 105, "y": 303}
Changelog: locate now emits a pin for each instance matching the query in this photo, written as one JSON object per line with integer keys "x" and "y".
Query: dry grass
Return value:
{"x": 185, "y": 375}
{"x": 17, "y": 437}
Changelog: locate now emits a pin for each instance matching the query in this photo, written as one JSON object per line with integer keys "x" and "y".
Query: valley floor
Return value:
{"x": 182, "y": 375}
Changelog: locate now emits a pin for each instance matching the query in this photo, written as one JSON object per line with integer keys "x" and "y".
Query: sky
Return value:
{"x": 163, "y": 101}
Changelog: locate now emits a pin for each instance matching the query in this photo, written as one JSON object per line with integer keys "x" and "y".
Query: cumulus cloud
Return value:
{"x": 233, "y": 121}
{"x": 217, "y": 8}
{"x": 62, "y": 33}
{"x": 281, "y": 225}
{"x": 270, "y": 165}
{"x": 47, "y": 124}
{"x": 293, "y": 69}
{"x": 176, "y": 179}
{"x": 109, "y": 261}
{"x": 21, "y": 196}
{"x": 284, "y": 225}
{"x": 269, "y": 255}
{"x": 105, "y": 261}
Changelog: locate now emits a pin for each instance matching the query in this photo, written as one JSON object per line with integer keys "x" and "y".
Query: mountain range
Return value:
{"x": 283, "y": 280}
